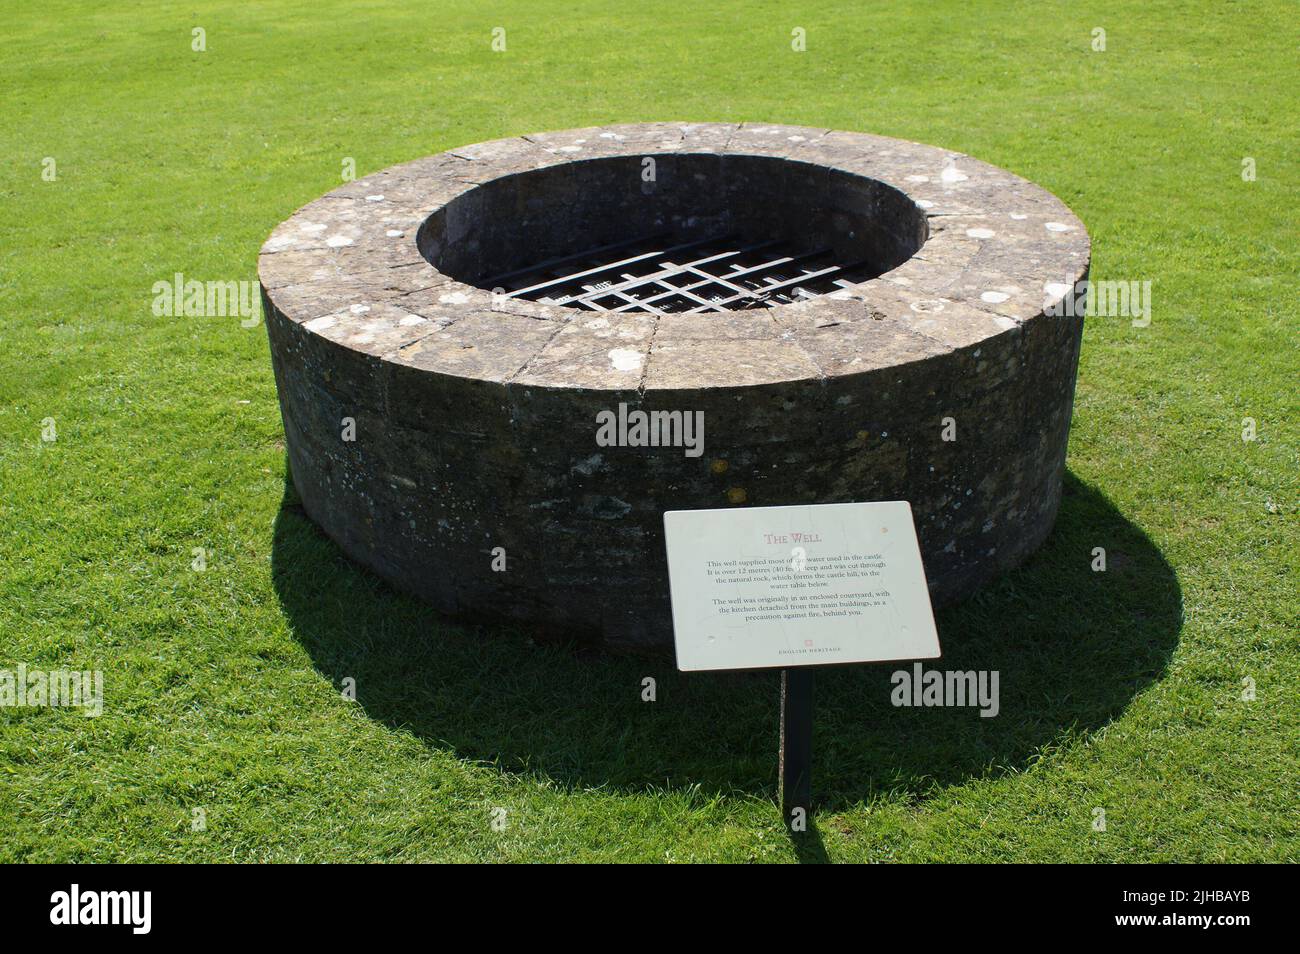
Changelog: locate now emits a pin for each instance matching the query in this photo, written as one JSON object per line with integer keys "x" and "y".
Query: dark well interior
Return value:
{"x": 510, "y": 224}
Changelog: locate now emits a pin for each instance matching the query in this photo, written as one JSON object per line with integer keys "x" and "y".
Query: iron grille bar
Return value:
{"x": 548, "y": 266}
{"x": 719, "y": 274}
{"x": 668, "y": 269}
{"x": 605, "y": 268}
{"x": 724, "y": 280}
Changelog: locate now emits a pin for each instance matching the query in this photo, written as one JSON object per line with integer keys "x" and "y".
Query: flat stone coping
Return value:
{"x": 1000, "y": 252}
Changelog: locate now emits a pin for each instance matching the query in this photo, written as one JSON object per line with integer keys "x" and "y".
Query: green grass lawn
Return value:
{"x": 1120, "y": 690}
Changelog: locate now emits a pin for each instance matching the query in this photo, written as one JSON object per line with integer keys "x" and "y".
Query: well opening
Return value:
{"x": 691, "y": 233}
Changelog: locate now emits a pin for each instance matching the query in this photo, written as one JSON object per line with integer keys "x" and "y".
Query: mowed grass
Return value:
{"x": 1120, "y": 690}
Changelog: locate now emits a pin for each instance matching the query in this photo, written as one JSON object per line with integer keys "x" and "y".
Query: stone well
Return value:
{"x": 448, "y": 334}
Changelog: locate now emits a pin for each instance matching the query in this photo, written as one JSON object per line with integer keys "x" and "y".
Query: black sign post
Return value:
{"x": 796, "y": 746}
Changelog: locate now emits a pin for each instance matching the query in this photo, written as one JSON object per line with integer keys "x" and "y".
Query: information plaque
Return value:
{"x": 776, "y": 587}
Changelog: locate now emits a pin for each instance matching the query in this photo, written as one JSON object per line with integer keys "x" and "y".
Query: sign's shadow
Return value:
{"x": 1072, "y": 647}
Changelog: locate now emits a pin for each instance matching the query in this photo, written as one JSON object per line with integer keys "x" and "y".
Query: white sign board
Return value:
{"x": 814, "y": 585}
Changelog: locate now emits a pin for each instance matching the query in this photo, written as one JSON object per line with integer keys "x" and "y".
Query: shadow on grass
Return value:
{"x": 1072, "y": 647}
{"x": 808, "y": 847}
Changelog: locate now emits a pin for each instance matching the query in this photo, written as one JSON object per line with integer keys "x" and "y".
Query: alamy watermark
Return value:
{"x": 639, "y": 428}
{"x": 1104, "y": 299}
{"x": 57, "y": 688}
{"x": 935, "y": 687}
{"x": 75, "y": 906}
{"x": 181, "y": 298}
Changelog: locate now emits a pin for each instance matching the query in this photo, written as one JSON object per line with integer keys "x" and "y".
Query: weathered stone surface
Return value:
{"x": 475, "y": 417}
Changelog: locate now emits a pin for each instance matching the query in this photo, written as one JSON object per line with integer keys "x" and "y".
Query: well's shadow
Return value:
{"x": 1072, "y": 647}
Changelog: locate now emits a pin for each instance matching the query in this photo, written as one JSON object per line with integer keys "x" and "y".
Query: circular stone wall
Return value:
{"x": 449, "y": 334}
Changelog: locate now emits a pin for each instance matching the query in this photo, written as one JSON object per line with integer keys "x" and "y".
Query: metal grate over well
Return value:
{"x": 655, "y": 275}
